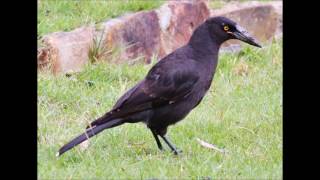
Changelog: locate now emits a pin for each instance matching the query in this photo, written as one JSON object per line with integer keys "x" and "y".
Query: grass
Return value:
{"x": 216, "y": 4}
{"x": 241, "y": 113}
{"x": 65, "y": 15}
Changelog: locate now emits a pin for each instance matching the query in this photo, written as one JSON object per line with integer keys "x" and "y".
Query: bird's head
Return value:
{"x": 224, "y": 29}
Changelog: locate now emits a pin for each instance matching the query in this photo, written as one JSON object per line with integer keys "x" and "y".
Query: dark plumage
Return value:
{"x": 173, "y": 87}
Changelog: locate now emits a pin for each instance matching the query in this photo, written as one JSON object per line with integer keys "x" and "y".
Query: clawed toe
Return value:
{"x": 177, "y": 151}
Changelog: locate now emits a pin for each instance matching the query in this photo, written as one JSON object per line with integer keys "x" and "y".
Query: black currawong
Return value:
{"x": 173, "y": 86}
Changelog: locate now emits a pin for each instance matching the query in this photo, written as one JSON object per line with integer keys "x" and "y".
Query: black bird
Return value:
{"x": 173, "y": 86}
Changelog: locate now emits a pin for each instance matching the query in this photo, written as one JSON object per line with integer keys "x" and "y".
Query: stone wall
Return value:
{"x": 156, "y": 32}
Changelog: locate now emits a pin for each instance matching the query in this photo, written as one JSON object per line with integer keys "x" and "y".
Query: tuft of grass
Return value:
{"x": 65, "y": 15}
{"x": 241, "y": 113}
{"x": 97, "y": 49}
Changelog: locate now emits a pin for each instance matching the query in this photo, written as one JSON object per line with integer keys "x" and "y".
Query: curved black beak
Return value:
{"x": 241, "y": 34}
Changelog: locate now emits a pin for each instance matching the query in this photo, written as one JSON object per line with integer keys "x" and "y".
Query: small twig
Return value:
{"x": 137, "y": 144}
{"x": 249, "y": 130}
{"x": 210, "y": 146}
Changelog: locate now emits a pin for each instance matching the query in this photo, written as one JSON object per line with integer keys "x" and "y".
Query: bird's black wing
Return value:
{"x": 166, "y": 83}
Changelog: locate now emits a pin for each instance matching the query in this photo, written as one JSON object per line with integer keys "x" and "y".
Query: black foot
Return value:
{"x": 177, "y": 151}
{"x": 161, "y": 148}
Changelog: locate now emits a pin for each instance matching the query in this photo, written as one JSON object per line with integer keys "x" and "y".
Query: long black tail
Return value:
{"x": 89, "y": 133}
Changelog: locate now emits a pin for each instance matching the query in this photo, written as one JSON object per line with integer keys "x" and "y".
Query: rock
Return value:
{"x": 43, "y": 57}
{"x": 138, "y": 34}
{"x": 66, "y": 51}
{"x": 156, "y": 32}
{"x": 177, "y": 22}
{"x": 262, "y": 20}
{"x": 159, "y": 32}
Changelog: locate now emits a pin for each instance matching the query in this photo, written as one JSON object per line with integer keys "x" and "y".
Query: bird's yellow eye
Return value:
{"x": 226, "y": 28}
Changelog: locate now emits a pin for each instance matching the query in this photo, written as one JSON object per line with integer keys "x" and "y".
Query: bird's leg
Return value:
{"x": 175, "y": 150}
{"x": 157, "y": 140}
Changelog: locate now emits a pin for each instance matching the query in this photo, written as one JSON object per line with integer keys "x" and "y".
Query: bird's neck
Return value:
{"x": 204, "y": 44}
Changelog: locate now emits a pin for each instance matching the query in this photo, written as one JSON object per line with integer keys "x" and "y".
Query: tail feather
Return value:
{"x": 89, "y": 133}
{"x": 99, "y": 121}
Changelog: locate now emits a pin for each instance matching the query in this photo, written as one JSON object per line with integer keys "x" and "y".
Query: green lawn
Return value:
{"x": 215, "y": 4}
{"x": 65, "y": 15}
{"x": 241, "y": 113}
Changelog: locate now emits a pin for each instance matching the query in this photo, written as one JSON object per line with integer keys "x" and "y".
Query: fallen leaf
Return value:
{"x": 84, "y": 145}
